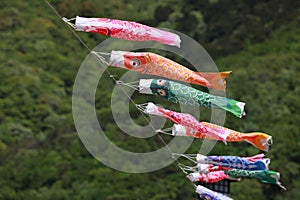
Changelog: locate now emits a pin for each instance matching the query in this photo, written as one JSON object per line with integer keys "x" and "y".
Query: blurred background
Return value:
{"x": 41, "y": 156}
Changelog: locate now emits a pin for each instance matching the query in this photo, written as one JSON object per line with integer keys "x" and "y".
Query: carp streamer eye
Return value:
{"x": 161, "y": 82}
{"x": 135, "y": 63}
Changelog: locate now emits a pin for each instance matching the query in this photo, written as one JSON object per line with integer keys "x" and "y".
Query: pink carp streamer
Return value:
{"x": 153, "y": 64}
{"x": 125, "y": 30}
{"x": 210, "y": 177}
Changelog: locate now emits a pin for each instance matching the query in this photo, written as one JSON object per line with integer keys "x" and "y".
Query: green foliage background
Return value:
{"x": 41, "y": 157}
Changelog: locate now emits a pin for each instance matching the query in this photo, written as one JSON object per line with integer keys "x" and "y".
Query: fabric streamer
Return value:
{"x": 247, "y": 163}
{"x": 153, "y": 64}
{"x": 208, "y": 194}
{"x": 126, "y": 30}
{"x": 203, "y": 169}
{"x": 184, "y": 119}
{"x": 264, "y": 176}
{"x": 260, "y": 140}
{"x": 211, "y": 168}
{"x": 257, "y": 162}
{"x": 210, "y": 177}
{"x": 179, "y": 93}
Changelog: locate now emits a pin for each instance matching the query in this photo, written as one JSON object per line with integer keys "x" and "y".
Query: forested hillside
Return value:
{"x": 41, "y": 156}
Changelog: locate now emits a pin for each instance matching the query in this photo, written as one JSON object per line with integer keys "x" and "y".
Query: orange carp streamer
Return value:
{"x": 153, "y": 64}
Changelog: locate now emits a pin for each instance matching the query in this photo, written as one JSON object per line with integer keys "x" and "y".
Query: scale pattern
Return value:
{"x": 183, "y": 94}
